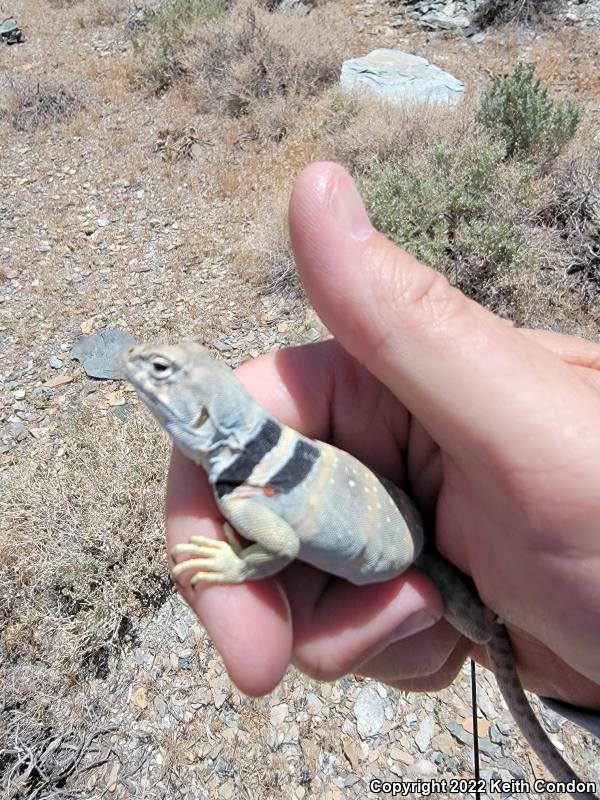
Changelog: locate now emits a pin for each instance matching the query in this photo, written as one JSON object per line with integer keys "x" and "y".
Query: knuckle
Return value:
{"x": 429, "y": 299}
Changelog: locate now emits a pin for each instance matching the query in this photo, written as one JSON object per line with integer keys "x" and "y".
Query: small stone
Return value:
{"x": 101, "y": 352}
{"x": 160, "y": 707}
{"x": 486, "y": 706}
{"x": 424, "y": 734}
{"x": 278, "y": 714}
{"x": 227, "y": 790}
{"x": 314, "y": 704}
{"x": 19, "y": 394}
{"x": 442, "y": 742}
{"x": 185, "y": 662}
{"x": 369, "y": 712}
{"x": 487, "y": 747}
{"x": 483, "y": 726}
{"x": 220, "y": 687}
{"x": 56, "y": 363}
{"x": 496, "y": 735}
{"x": 311, "y": 751}
{"x": 60, "y": 380}
{"x": 423, "y": 769}
{"x": 459, "y": 732}
{"x": 352, "y": 751}
{"x": 17, "y": 431}
{"x": 397, "y": 754}
{"x": 112, "y": 782}
{"x": 103, "y": 222}
{"x": 139, "y": 697}
{"x": 181, "y": 630}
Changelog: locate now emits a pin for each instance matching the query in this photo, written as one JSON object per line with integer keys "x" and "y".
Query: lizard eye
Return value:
{"x": 200, "y": 419}
{"x": 161, "y": 367}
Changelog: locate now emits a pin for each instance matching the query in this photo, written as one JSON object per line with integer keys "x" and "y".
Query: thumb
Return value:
{"x": 444, "y": 356}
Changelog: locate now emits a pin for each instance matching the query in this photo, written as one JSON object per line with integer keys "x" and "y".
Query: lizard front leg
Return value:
{"x": 215, "y": 561}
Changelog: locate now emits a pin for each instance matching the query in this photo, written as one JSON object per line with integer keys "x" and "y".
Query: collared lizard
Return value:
{"x": 295, "y": 497}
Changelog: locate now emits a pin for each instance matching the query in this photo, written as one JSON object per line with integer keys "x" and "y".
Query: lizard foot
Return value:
{"x": 214, "y": 562}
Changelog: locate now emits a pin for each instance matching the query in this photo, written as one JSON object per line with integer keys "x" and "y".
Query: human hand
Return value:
{"x": 496, "y": 429}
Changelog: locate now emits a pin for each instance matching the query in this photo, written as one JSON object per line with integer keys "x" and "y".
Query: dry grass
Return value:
{"x": 246, "y": 56}
{"x": 520, "y": 12}
{"x": 81, "y": 548}
{"x": 28, "y": 103}
{"x": 575, "y": 213}
{"x": 162, "y": 35}
{"x": 369, "y": 132}
{"x": 84, "y": 538}
{"x": 491, "y": 229}
{"x": 256, "y": 56}
{"x": 106, "y": 12}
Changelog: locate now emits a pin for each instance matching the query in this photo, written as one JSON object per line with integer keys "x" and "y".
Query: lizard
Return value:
{"x": 296, "y": 497}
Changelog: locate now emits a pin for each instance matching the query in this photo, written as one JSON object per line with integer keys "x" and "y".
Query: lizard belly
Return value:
{"x": 348, "y": 523}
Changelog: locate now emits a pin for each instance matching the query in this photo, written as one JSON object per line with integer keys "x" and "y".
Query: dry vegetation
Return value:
{"x": 186, "y": 124}
{"x": 82, "y": 562}
{"x": 28, "y": 103}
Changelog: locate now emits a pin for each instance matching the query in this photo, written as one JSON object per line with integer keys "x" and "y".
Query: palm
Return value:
{"x": 483, "y": 521}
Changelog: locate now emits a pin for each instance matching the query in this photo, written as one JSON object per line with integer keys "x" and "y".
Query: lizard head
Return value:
{"x": 194, "y": 397}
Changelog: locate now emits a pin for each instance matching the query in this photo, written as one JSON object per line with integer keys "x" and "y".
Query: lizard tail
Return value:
{"x": 503, "y": 664}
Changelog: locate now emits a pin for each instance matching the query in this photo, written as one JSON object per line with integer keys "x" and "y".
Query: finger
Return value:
{"x": 339, "y": 626}
{"x": 418, "y": 334}
{"x": 427, "y": 663}
{"x": 582, "y": 355}
{"x": 571, "y": 349}
{"x": 249, "y": 623}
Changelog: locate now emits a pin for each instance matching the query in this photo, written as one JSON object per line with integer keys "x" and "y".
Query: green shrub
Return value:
{"x": 160, "y": 36}
{"x": 409, "y": 205}
{"x": 342, "y": 108}
{"x": 519, "y": 111}
{"x": 421, "y": 205}
{"x": 461, "y": 209}
{"x": 492, "y": 242}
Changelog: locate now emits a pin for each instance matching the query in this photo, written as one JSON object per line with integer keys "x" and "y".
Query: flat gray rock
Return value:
{"x": 401, "y": 77}
{"x": 369, "y": 712}
{"x": 100, "y": 353}
{"x": 10, "y": 31}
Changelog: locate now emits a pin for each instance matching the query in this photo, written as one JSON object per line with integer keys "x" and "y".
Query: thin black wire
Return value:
{"x": 475, "y": 732}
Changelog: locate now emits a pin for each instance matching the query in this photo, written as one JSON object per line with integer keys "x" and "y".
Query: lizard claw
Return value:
{"x": 214, "y": 562}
